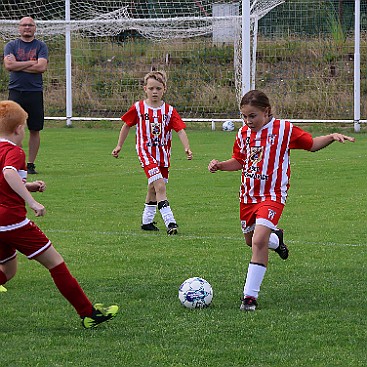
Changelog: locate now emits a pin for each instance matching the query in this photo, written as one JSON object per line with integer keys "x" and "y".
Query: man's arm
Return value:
{"x": 37, "y": 68}
{"x": 11, "y": 64}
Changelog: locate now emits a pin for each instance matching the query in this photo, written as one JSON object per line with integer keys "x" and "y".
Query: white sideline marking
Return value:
{"x": 181, "y": 236}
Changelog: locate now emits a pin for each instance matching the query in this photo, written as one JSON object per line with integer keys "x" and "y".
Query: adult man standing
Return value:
{"x": 26, "y": 58}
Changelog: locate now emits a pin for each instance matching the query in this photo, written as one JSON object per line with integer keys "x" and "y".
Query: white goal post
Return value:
{"x": 357, "y": 67}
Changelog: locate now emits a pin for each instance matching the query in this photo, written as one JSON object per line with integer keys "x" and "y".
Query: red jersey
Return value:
{"x": 265, "y": 157}
{"x": 153, "y": 131}
{"x": 12, "y": 206}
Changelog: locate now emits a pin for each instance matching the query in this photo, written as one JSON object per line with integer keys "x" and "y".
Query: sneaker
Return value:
{"x": 172, "y": 229}
{"x": 282, "y": 250}
{"x": 248, "y": 304}
{"x": 31, "y": 169}
{"x": 150, "y": 227}
{"x": 100, "y": 314}
{"x": 3, "y": 289}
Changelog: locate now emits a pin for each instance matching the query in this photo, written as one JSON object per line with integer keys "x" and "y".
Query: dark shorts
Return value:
{"x": 32, "y": 103}
{"x": 28, "y": 240}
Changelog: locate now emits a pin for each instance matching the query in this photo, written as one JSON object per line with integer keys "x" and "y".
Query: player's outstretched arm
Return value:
{"x": 124, "y": 132}
{"x": 15, "y": 182}
{"x": 229, "y": 165}
{"x": 323, "y": 141}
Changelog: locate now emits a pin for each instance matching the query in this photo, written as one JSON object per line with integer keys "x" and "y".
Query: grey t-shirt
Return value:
{"x": 25, "y": 51}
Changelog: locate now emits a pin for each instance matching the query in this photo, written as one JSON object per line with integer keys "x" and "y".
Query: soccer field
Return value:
{"x": 312, "y": 307}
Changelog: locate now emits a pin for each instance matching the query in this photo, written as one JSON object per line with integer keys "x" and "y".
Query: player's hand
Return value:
{"x": 213, "y": 166}
{"x": 38, "y": 209}
{"x": 36, "y": 186}
{"x": 188, "y": 154}
{"x": 40, "y": 186}
{"x": 342, "y": 138}
{"x": 116, "y": 151}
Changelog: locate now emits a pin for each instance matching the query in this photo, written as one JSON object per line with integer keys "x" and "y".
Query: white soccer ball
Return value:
{"x": 195, "y": 293}
{"x": 228, "y": 125}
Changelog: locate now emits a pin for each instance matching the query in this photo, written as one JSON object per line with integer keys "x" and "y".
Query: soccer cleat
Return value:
{"x": 248, "y": 304}
{"x": 150, "y": 227}
{"x": 100, "y": 314}
{"x": 172, "y": 229}
{"x": 282, "y": 249}
{"x": 31, "y": 169}
{"x": 3, "y": 289}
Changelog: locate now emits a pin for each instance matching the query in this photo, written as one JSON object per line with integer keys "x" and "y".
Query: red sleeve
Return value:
{"x": 15, "y": 158}
{"x": 300, "y": 139}
{"x": 176, "y": 121}
{"x": 238, "y": 151}
{"x": 131, "y": 116}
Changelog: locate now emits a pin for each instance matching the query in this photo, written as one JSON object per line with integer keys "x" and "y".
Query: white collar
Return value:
{"x": 6, "y": 141}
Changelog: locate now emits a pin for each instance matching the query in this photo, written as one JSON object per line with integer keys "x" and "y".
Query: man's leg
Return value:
{"x": 34, "y": 144}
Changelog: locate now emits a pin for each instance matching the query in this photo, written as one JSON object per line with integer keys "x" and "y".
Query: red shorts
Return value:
{"x": 155, "y": 172}
{"x": 267, "y": 213}
{"x": 28, "y": 240}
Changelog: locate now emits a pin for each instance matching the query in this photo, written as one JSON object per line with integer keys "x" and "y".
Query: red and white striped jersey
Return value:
{"x": 153, "y": 131}
{"x": 265, "y": 157}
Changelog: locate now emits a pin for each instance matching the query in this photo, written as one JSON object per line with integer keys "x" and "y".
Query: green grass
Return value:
{"x": 312, "y": 306}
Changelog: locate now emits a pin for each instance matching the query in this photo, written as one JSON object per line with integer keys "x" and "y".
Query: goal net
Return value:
{"x": 155, "y": 19}
{"x": 199, "y": 44}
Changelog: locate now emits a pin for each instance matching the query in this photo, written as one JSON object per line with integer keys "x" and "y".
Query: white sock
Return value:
{"x": 254, "y": 278}
{"x": 167, "y": 215}
{"x": 273, "y": 241}
{"x": 149, "y": 213}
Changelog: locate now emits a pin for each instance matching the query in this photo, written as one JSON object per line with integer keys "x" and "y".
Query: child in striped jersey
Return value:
{"x": 262, "y": 151}
{"x": 154, "y": 121}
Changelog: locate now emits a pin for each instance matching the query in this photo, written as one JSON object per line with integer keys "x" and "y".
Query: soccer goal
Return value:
{"x": 212, "y": 51}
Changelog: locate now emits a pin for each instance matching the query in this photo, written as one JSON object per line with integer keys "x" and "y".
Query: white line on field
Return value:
{"x": 190, "y": 237}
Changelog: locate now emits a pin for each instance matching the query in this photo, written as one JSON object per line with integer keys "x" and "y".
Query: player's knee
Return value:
{"x": 160, "y": 187}
{"x": 259, "y": 244}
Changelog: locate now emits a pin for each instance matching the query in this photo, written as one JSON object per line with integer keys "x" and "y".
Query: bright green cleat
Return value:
{"x": 100, "y": 314}
{"x": 3, "y": 289}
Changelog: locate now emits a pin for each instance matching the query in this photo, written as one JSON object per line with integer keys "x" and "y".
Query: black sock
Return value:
{"x": 163, "y": 204}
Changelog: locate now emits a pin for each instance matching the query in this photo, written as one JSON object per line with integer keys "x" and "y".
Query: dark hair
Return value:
{"x": 257, "y": 99}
